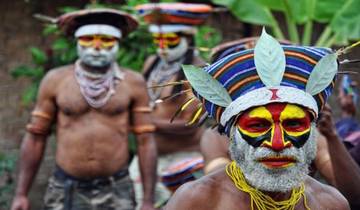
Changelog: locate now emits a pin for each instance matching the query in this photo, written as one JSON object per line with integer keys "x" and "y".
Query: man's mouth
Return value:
{"x": 277, "y": 161}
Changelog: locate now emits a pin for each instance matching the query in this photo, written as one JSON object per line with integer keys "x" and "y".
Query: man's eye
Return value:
{"x": 86, "y": 38}
{"x": 292, "y": 123}
{"x": 107, "y": 39}
{"x": 259, "y": 125}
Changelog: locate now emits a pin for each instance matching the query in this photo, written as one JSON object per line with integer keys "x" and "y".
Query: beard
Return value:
{"x": 273, "y": 179}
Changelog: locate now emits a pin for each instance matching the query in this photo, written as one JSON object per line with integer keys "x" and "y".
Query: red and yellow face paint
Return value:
{"x": 166, "y": 40}
{"x": 97, "y": 41}
{"x": 276, "y": 126}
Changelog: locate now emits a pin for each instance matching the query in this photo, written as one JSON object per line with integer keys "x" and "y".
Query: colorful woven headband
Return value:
{"x": 72, "y": 21}
{"x": 268, "y": 73}
{"x": 174, "y": 13}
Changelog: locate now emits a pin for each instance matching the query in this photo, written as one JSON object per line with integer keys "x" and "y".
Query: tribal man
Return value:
{"x": 267, "y": 101}
{"x": 94, "y": 104}
{"x": 173, "y": 28}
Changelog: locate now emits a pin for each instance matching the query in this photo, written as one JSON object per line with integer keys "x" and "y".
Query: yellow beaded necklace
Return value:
{"x": 262, "y": 201}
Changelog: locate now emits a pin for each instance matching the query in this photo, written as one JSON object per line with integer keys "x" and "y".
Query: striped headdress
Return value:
{"x": 174, "y": 17}
{"x": 268, "y": 73}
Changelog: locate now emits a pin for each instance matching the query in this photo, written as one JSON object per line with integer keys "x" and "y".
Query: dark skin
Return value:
{"x": 332, "y": 160}
{"x": 90, "y": 142}
{"x": 346, "y": 171}
{"x": 175, "y": 136}
{"x": 217, "y": 192}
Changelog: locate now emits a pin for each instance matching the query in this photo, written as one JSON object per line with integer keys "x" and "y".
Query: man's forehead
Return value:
{"x": 276, "y": 108}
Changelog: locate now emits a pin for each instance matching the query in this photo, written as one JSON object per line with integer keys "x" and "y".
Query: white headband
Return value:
{"x": 98, "y": 29}
{"x": 171, "y": 29}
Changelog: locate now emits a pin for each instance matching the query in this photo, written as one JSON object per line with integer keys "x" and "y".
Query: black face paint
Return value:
{"x": 297, "y": 141}
{"x": 256, "y": 141}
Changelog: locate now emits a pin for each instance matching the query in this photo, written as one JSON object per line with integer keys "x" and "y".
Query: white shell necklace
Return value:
{"x": 97, "y": 89}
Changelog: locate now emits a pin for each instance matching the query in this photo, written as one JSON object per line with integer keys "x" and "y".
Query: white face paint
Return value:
{"x": 98, "y": 58}
{"x": 273, "y": 180}
{"x": 172, "y": 54}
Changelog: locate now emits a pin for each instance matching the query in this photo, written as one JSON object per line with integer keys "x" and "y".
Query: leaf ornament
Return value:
{"x": 206, "y": 86}
{"x": 322, "y": 74}
{"x": 269, "y": 58}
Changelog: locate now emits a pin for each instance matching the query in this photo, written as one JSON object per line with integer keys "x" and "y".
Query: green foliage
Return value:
{"x": 207, "y": 38}
{"x": 7, "y": 167}
{"x": 341, "y": 17}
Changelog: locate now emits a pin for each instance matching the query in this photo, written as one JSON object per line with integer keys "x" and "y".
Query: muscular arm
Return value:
{"x": 346, "y": 171}
{"x": 323, "y": 160}
{"x": 34, "y": 142}
{"x": 146, "y": 147}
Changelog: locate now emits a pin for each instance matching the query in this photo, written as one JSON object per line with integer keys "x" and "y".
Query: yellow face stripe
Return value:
{"x": 258, "y": 112}
{"x": 103, "y": 40}
{"x": 292, "y": 111}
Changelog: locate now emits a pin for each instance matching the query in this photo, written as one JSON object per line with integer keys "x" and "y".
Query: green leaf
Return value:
{"x": 297, "y": 8}
{"x": 50, "y": 29}
{"x": 26, "y": 71}
{"x": 20, "y": 71}
{"x": 322, "y": 74}
{"x": 325, "y": 10}
{"x": 29, "y": 95}
{"x": 269, "y": 58}
{"x": 207, "y": 37}
{"x": 68, "y": 9}
{"x": 347, "y": 21}
{"x": 39, "y": 57}
{"x": 277, "y": 5}
{"x": 207, "y": 86}
{"x": 61, "y": 44}
{"x": 248, "y": 11}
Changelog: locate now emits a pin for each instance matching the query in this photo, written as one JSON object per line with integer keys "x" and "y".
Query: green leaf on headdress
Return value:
{"x": 207, "y": 86}
{"x": 322, "y": 74}
{"x": 269, "y": 58}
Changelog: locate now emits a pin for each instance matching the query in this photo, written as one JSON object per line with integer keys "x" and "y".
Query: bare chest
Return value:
{"x": 71, "y": 102}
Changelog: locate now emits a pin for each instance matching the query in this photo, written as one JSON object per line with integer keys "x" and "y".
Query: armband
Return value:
{"x": 41, "y": 114}
{"x": 142, "y": 109}
{"x": 215, "y": 163}
{"x": 143, "y": 129}
{"x": 38, "y": 130}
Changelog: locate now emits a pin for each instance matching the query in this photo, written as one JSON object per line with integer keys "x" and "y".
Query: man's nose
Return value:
{"x": 277, "y": 142}
{"x": 97, "y": 44}
{"x": 162, "y": 44}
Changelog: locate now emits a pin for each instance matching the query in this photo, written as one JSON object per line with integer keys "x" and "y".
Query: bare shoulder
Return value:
{"x": 202, "y": 194}
{"x": 58, "y": 73}
{"x": 54, "y": 77}
{"x": 133, "y": 77}
{"x": 327, "y": 196}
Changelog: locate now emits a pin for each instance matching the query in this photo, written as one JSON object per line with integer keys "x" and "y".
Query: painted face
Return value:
{"x": 276, "y": 126}
{"x": 171, "y": 46}
{"x": 97, "y": 50}
{"x": 274, "y": 146}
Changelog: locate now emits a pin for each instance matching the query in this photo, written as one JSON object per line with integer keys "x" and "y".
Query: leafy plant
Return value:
{"x": 206, "y": 38}
{"x": 341, "y": 18}
{"x": 7, "y": 167}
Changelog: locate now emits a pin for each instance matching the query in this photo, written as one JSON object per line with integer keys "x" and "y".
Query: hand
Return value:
{"x": 326, "y": 124}
{"x": 20, "y": 203}
{"x": 147, "y": 206}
